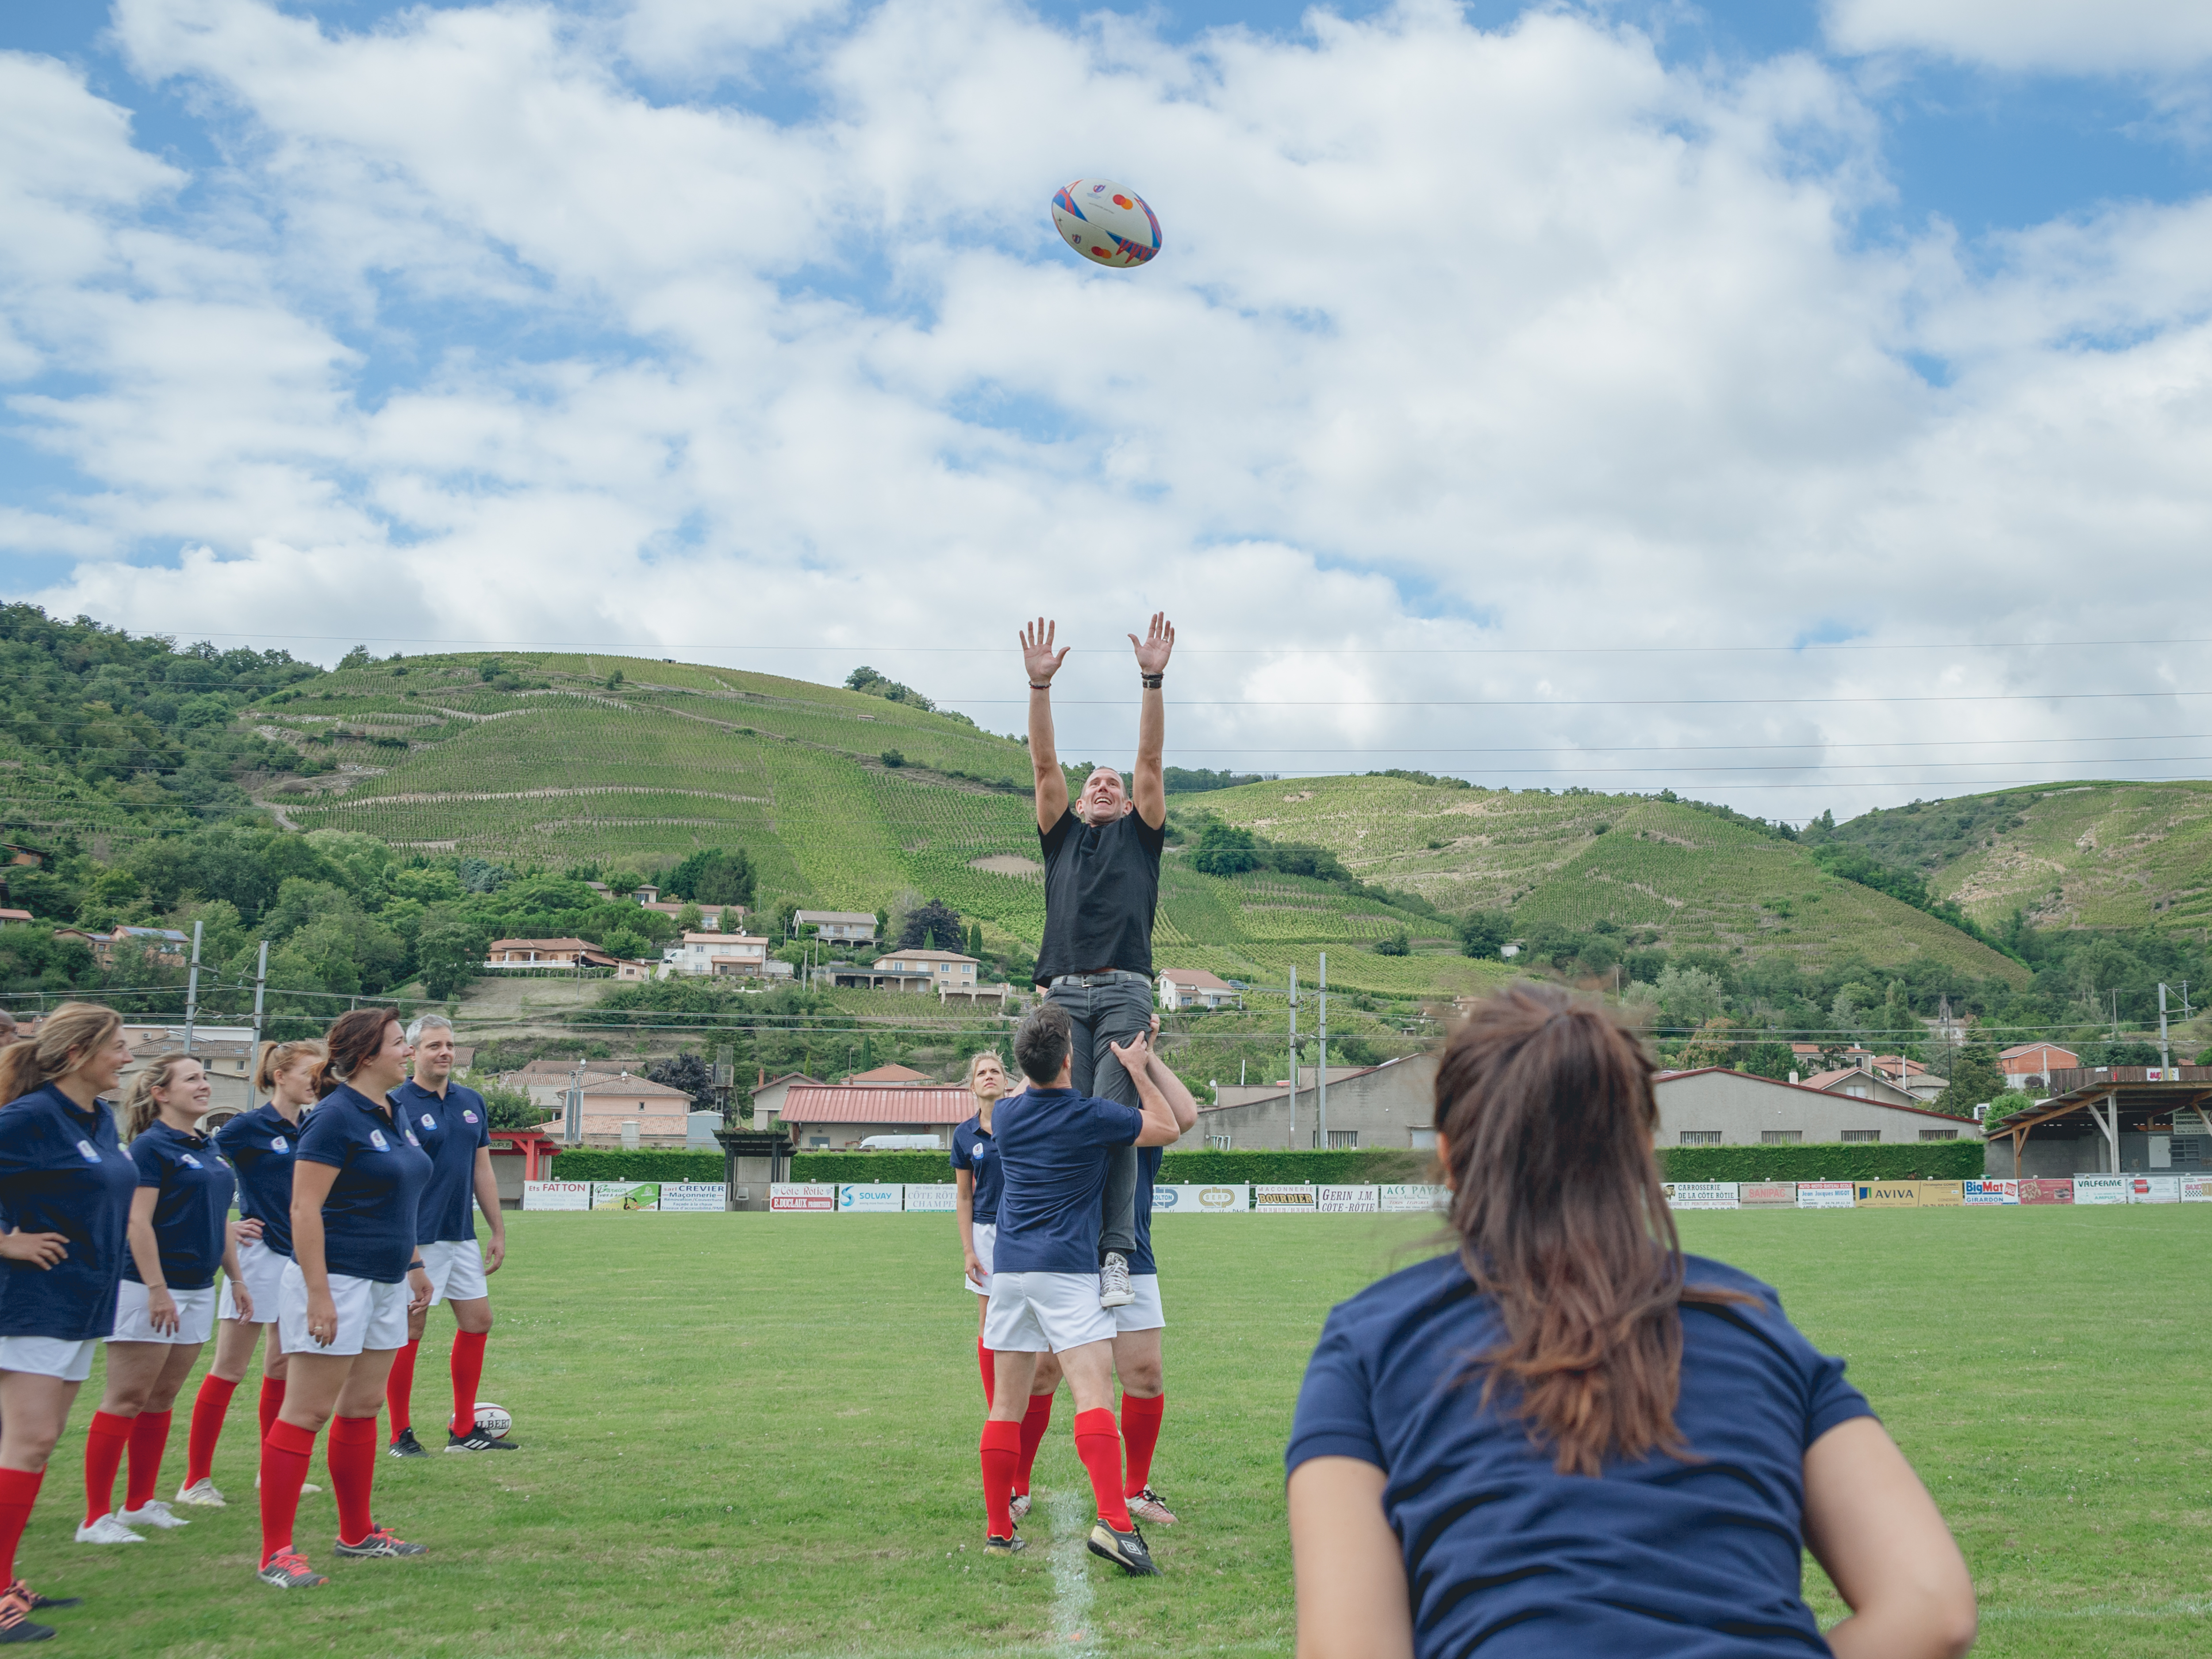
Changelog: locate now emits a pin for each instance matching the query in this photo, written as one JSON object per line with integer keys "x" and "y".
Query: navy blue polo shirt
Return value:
{"x": 1148, "y": 1171}
{"x": 451, "y": 1130}
{"x": 63, "y": 1170}
{"x": 193, "y": 1209}
{"x": 260, "y": 1145}
{"x": 1053, "y": 1146}
{"x": 974, "y": 1150}
{"x": 368, "y": 1220}
{"x": 1658, "y": 1557}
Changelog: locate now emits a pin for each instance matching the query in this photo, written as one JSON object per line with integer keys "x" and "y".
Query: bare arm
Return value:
{"x": 239, "y": 1294}
{"x": 1874, "y": 1528}
{"x": 1348, "y": 1568}
{"x": 486, "y": 1187}
{"x": 146, "y": 1255}
{"x": 1178, "y": 1093}
{"x": 311, "y": 1185}
{"x": 1041, "y": 663}
{"x": 963, "y": 1209}
{"x": 1160, "y": 1129}
{"x": 1149, "y": 787}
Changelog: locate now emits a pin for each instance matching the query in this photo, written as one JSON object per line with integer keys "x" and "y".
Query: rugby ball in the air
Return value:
{"x": 493, "y": 1420}
{"x": 1107, "y": 224}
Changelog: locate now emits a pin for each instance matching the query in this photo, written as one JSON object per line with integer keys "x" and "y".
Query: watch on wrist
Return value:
{"x": 1153, "y": 681}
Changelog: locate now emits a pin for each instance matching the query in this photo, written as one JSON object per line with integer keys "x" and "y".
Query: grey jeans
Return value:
{"x": 1108, "y": 1008}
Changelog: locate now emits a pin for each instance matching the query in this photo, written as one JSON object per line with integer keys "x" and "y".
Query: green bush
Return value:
{"x": 1927, "y": 1160}
{"x": 613, "y": 1163}
{"x": 1368, "y": 1166}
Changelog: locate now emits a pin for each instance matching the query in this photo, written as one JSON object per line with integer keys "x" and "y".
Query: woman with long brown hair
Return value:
{"x": 65, "y": 1187}
{"x": 1569, "y": 1439}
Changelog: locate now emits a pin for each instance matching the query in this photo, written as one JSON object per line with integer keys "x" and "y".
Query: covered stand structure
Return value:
{"x": 2109, "y": 1121}
{"x": 752, "y": 1161}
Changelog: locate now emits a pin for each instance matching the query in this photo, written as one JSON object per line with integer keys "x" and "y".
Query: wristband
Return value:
{"x": 1033, "y": 686}
{"x": 1152, "y": 681}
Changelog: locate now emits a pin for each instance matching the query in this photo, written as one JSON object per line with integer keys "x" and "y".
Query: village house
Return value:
{"x": 1713, "y": 1106}
{"x": 843, "y": 926}
{"x": 713, "y": 918}
{"x": 1193, "y": 988}
{"x": 1393, "y": 1104}
{"x": 660, "y": 1113}
{"x": 943, "y": 967}
{"x": 167, "y": 945}
{"x": 836, "y": 1117}
{"x": 1860, "y": 1081}
{"x": 2029, "y": 1064}
{"x": 510, "y": 953}
{"x": 741, "y": 954}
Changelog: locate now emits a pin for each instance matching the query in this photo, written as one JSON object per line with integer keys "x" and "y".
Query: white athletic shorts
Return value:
{"x": 1145, "y": 1314}
{"x": 264, "y": 1276}
{"x": 371, "y": 1314}
{"x": 987, "y": 1239}
{"x": 195, "y": 1315}
{"x": 456, "y": 1270}
{"x": 1038, "y": 1313}
{"x": 47, "y": 1356}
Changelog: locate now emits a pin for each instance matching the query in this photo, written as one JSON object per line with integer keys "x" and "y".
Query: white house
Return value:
{"x": 847, "y": 926}
{"x": 1193, "y": 988}
{"x": 946, "y": 967}
{"x": 716, "y": 953}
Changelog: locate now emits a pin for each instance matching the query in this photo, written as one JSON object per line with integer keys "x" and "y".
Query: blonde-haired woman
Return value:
{"x": 66, "y": 1186}
{"x": 259, "y": 1146}
{"x": 179, "y": 1234}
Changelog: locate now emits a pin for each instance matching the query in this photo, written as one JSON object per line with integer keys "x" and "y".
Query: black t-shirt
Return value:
{"x": 1102, "y": 884}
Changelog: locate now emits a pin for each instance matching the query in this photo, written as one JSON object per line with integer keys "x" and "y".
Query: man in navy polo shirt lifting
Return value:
{"x": 1102, "y": 884}
{"x": 454, "y": 1126}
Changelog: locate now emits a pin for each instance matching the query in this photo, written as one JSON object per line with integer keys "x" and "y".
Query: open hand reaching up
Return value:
{"x": 1157, "y": 645}
{"x": 1037, "y": 654}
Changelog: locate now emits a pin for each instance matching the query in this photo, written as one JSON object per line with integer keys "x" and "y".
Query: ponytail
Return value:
{"x": 66, "y": 1039}
{"x": 275, "y": 1058}
{"x": 139, "y": 1109}
{"x": 354, "y": 1037}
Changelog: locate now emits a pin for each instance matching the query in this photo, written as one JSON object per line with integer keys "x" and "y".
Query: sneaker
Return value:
{"x": 477, "y": 1440}
{"x": 1020, "y": 1506}
{"x": 1114, "y": 1290}
{"x": 1149, "y": 1505}
{"x": 993, "y": 1545}
{"x": 201, "y": 1494}
{"x": 39, "y": 1603}
{"x": 404, "y": 1444}
{"x": 288, "y": 1571}
{"x": 1126, "y": 1550}
{"x": 152, "y": 1513}
{"x": 15, "y": 1604}
{"x": 107, "y": 1530}
{"x": 379, "y": 1542}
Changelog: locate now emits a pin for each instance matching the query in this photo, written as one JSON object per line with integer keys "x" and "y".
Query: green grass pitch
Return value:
{"x": 756, "y": 1435}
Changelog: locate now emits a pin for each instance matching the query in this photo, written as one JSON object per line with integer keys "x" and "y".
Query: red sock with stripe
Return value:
{"x": 1002, "y": 1449}
{"x": 18, "y": 1491}
{"x": 103, "y": 1442}
{"x": 468, "y": 1372}
{"x": 399, "y": 1389}
{"x": 1034, "y": 1423}
{"x": 351, "y": 1455}
{"x": 989, "y": 1362}
{"x": 149, "y": 1439}
{"x": 284, "y": 1455}
{"x": 208, "y": 1409}
{"x": 1098, "y": 1443}
{"x": 272, "y": 1403}
{"x": 1140, "y": 1433}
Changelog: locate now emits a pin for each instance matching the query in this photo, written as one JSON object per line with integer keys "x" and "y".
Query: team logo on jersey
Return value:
{"x": 411, "y": 1141}
{"x": 468, "y": 1117}
{"x": 429, "y": 1122}
{"x": 91, "y": 1152}
{"x": 376, "y": 1139}
{"x": 190, "y": 1162}
{"x": 278, "y": 1143}
{"x": 979, "y": 1149}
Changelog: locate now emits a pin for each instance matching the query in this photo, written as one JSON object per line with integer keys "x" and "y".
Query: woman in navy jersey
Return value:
{"x": 259, "y": 1146}
{"x": 179, "y": 1234}
{"x": 343, "y": 1298}
{"x": 65, "y": 1187}
{"x": 976, "y": 1192}
{"x": 1569, "y": 1439}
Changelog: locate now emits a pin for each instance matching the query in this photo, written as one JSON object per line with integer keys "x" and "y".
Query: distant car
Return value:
{"x": 902, "y": 1144}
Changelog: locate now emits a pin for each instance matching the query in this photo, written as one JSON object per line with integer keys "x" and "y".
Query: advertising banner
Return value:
{"x": 2100, "y": 1190}
{"x": 861, "y": 1200}
{"x": 1941, "y": 1195}
{"x": 1702, "y": 1194}
{"x": 1826, "y": 1196}
{"x": 1348, "y": 1200}
{"x": 2197, "y": 1190}
{"x": 937, "y": 1197}
{"x": 1766, "y": 1195}
{"x": 1885, "y": 1196}
{"x": 694, "y": 1196}
{"x": 1991, "y": 1191}
{"x": 2046, "y": 1189}
{"x": 1415, "y": 1197}
{"x": 2154, "y": 1189}
{"x": 625, "y": 1194}
{"x": 802, "y": 1198}
{"x": 1202, "y": 1200}
{"x": 1282, "y": 1201}
{"x": 556, "y": 1195}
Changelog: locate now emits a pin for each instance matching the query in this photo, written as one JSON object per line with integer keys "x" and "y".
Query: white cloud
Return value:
{"x": 2067, "y": 37}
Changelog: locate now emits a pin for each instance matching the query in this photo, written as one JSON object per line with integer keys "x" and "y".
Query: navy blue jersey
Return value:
{"x": 451, "y": 1129}
{"x": 62, "y": 1171}
{"x": 1052, "y": 1146}
{"x": 260, "y": 1145}
{"x": 368, "y": 1220}
{"x": 193, "y": 1209}
{"x": 1663, "y": 1556}
{"x": 1148, "y": 1171}
{"x": 974, "y": 1150}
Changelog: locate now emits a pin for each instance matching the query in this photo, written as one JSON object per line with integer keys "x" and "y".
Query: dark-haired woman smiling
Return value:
{"x": 1568, "y": 1438}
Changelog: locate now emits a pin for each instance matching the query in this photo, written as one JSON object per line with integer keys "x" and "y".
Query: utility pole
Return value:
{"x": 2116, "y": 1014}
{"x": 193, "y": 988}
{"x": 1321, "y": 1069}
{"x": 260, "y": 990}
{"x": 1293, "y": 1141}
{"x": 2165, "y": 1053}
{"x": 573, "y": 1129}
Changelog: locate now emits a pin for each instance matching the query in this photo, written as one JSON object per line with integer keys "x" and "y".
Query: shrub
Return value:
{"x": 647, "y": 1164}
{"x": 1929, "y": 1160}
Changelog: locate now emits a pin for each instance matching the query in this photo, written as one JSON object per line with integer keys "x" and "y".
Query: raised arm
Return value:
{"x": 1149, "y": 787}
{"x": 1176, "y": 1092}
{"x": 1043, "y": 663}
{"x": 1160, "y": 1128}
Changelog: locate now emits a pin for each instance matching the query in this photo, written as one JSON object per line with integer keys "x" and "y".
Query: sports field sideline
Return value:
{"x": 750, "y": 1434}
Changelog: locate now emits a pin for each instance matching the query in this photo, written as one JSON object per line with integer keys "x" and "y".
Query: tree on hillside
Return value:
{"x": 689, "y": 1074}
{"x": 1976, "y": 1077}
{"x": 1223, "y": 849}
{"x": 935, "y": 926}
{"x": 713, "y": 875}
{"x": 1482, "y": 932}
{"x": 1769, "y": 1059}
{"x": 510, "y": 1109}
{"x": 1713, "y": 1045}
{"x": 449, "y": 947}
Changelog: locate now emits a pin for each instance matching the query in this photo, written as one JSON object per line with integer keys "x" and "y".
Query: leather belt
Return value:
{"x": 1107, "y": 976}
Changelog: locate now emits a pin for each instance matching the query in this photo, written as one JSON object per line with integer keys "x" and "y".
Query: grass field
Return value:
{"x": 756, "y": 1435}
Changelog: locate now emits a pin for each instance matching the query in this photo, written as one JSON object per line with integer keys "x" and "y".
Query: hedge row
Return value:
{"x": 648, "y": 1163}
{"x": 1927, "y": 1160}
{"x": 1367, "y": 1166}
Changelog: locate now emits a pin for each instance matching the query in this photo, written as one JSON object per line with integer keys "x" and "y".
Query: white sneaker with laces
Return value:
{"x": 107, "y": 1530}
{"x": 1149, "y": 1506}
{"x": 1020, "y": 1506}
{"x": 1114, "y": 1290}
{"x": 153, "y": 1513}
{"x": 201, "y": 1494}
{"x": 305, "y": 1486}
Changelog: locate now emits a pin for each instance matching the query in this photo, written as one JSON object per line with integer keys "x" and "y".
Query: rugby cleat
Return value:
{"x": 152, "y": 1513}
{"x": 1149, "y": 1505}
{"x": 1114, "y": 1290}
{"x": 379, "y": 1542}
{"x": 1126, "y": 1550}
{"x": 201, "y": 1494}
{"x": 1005, "y": 1545}
{"x": 477, "y": 1440}
{"x": 15, "y": 1604}
{"x": 287, "y": 1569}
{"x": 1020, "y": 1505}
{"x": 107, "y": 1530}
{"x": 39, "y": 1603}
{"x": 404, "y": 1444}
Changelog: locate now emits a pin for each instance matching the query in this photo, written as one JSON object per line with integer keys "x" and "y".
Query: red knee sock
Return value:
{"x": 1034, "y": 1422}
{"x": 18, "y": 1491}
{"x": 1140, "y": 1433}
{"x": 208, "y": 1410}
{"x": 351, "y": 1455}
{"x": 150, "y": 1438}
{"x": 1098, "y": 1443}
{"x": 468, "y": 1372}
{"x": 989, "y": 1362}
{"x": 1002, "y": 1449}
{"x": 399, "y": 1389}
{"x": 103, "y": 1454}
{"x": 272, "y": 1403}
{"x": 284, "y": 1455}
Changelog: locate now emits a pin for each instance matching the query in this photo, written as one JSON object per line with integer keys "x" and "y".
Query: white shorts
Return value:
{"x": 264, "y": 1273}
{"x": 456, "y": 1270}
{"x": 47, "y": 1356}
{"x": 986, "y": 1240}
{"x": 371, "y": 1314}
{"x": 1145, "y": 1314}
{"x": 195, "y": 1315}
{"x": 1036, "y": 1313}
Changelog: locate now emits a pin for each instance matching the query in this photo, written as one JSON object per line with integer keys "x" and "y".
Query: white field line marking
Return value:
{"x": 1071, "y": 1573}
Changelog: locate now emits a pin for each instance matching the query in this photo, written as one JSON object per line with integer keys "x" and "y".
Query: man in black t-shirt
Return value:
{"x": 1102, "y": 882}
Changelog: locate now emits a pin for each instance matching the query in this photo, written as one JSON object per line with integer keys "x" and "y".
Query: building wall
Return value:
{"x": 2048, "y": 1153}
{"x": 839, "y": 1137}
{"x": 1389, "y": 1106}
{"x": 1742, "y": 1108}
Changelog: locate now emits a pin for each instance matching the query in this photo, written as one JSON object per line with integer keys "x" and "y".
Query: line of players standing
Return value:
{"x": 355, "y": 1184}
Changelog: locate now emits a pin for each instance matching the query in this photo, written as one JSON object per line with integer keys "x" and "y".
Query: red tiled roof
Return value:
{"x": 897, "y": 1103}
{"x": 897, "y": 1075}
